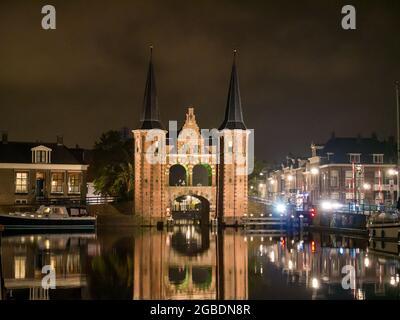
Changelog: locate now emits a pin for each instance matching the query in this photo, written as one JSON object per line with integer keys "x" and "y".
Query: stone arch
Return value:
{"x": 202, "y": 175}
{"x": 178, "y": 175}
{"x": 191, "y": 207}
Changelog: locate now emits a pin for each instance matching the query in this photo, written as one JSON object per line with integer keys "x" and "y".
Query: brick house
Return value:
{"x": 343, "y": 169}
{"x": 31, "y": 171}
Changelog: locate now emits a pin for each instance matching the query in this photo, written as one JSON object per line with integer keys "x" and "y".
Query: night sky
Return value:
{"x": 301, "y": 75}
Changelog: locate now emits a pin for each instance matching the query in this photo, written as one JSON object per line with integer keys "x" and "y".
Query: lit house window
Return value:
{"x": 40, "y": 157}
{"x": 41, "y": 154}
{"x": 334, "y": 178}
{"x": 21, "y": 182}
{"x": 57, "y": 182}
{"x": 349, "y": 179}
{"x": 74, "y": 182}
{"x": 377, "y": 158}
{"x": 354, "y": 157}
{"x": 19, "y": 267}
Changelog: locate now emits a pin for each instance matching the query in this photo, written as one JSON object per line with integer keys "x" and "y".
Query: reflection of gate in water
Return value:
{"x": 190, "y": 263}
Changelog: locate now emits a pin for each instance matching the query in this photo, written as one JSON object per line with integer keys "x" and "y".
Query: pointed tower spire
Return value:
{"x": 233, "y": 112}
{"x": 151, "y": 117}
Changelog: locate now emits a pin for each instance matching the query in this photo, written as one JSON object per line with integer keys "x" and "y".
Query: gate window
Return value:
{"x": 201, "y": 175}
{"x": 177, "y": 175}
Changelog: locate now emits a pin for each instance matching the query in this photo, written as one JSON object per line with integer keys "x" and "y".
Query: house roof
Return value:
{"x": 342, "y": 147}
{"x": 20, "y": 152}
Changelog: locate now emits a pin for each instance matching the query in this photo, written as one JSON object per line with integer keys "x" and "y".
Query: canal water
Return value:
{"x": 191, "y": 263}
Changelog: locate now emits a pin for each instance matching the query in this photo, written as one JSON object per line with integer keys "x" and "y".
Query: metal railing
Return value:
{"x": 366, "y": 209}
{"x": 76, "y": 200}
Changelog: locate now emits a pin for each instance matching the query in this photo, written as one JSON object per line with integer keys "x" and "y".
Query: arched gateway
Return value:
{"x": 187, "y": 173}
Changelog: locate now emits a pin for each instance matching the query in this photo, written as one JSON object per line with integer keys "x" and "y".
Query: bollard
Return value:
{"x": 160, "y": 225}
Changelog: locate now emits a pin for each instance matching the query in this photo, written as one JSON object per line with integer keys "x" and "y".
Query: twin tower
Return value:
{"x": 189, "y": 173}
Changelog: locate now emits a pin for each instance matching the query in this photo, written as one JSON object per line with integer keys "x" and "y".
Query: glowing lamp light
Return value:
{"x": 314, "y": 171}
{"x": 367, "y": 186}
{"x": 312, "y": 246}
{"x": 290, "y": 177}
{"x": 326, "y": 205}
{"x": 392, "y": 172}
{"x": 280, "y": 208}
{"x": 330, "y": 205}
{"x": 272, "y": 256}
{"x": 366, "y": 262}
{"x": 315, "y": 283}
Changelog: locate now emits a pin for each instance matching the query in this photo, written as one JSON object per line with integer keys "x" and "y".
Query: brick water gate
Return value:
{"x": 185, "y": 171}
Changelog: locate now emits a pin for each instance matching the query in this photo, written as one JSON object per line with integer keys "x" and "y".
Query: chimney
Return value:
{"x": 60, "y": 140}
{"x": 4, "y": 137}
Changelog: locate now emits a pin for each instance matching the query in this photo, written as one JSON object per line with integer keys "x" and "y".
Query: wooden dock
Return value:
{"x": 266, "y": 221}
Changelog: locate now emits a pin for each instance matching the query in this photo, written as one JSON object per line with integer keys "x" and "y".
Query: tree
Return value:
{"x": 259, "y": 174}
{"x": 111, "y": 167}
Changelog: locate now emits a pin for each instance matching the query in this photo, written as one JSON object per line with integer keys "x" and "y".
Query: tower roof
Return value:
{"x": 233, "y": 112}
{"x": 151, "y": 116}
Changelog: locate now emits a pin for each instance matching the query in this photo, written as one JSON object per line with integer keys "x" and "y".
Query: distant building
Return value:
{"x": 32, "y": 171}
{"x": 344, "y": 169}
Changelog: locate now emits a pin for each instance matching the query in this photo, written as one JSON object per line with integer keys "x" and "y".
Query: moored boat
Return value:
{"x": 384, "y": 227}
{"x": 49, "y": 218}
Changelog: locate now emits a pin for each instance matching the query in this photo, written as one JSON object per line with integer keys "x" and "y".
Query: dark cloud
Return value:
{"x": 301, "y": 75}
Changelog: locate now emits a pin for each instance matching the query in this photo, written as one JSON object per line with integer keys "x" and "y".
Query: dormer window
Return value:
{"x": 330, "y": 155}
{"x": 354, "y": 157}
{"x": 377, "y": 158}
{"x": 41, "y": 154}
